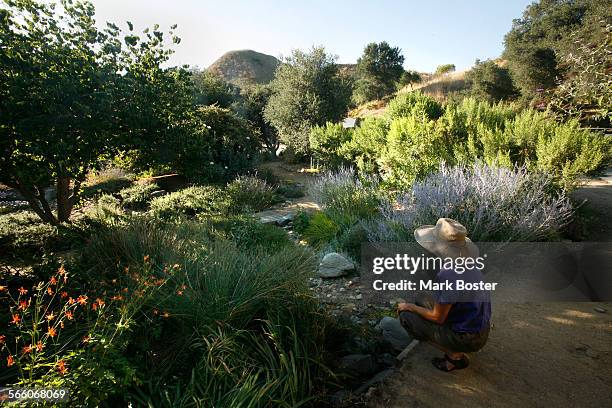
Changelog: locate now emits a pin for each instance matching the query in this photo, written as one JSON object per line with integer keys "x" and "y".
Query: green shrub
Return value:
{"x": 106, "y": 181}
{"x": 249, "y": 194}
{"x": 367, "y": 143}
{"x": 191, "y": 201}
{"x": 414, "y": 104}
{"x": 351, "y": 239}
{"x": 414, "y": 149}
{"x": 325, "y": 142}
{"x": 137, "y": 197}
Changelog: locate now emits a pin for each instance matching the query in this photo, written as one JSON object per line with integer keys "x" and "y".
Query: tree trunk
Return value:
{"x": 38, "y": 203}
{"x": 64, "y": 200}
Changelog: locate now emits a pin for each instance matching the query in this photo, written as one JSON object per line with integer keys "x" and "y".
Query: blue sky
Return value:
{"x": 429, "y": 33}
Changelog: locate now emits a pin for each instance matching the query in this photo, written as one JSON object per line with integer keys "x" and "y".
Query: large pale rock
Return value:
{"x": 334, "y": 265}
{"x": 394, "y": 333}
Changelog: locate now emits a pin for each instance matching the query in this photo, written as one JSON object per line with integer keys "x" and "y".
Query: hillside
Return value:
{"x": 242, "y": 66}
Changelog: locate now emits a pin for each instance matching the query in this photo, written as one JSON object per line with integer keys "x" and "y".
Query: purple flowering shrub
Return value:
{"x": 494, "y": 203}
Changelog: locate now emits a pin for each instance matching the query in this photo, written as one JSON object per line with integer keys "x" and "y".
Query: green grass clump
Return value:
{"x": 321, "y": 229}
{"x": 241, "y": 326}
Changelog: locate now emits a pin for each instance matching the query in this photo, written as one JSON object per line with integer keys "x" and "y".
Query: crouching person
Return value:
{"x": 455, "y": 327}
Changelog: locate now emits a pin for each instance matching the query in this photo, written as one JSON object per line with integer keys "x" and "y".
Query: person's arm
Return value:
{"x": 437, "y": 315}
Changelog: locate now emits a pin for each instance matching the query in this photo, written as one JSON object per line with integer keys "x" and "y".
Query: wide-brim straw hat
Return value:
{"x": 447, "y": 239}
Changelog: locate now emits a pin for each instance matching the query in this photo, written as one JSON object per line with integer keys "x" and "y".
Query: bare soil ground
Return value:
{"x": 538, "y": 355}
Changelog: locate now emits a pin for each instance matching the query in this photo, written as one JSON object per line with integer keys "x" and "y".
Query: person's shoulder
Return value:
{"x": 447, "y": 273}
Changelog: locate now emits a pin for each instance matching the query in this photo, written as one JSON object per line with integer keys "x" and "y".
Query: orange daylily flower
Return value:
{"x": 52, "y": 332}
{"x": 82, "y": 300}
{"x": 64, "y": 295}
{"x": 49, "y": 291}
{"x": 16, "y": 319}
{"x": 50, "y": 316}
{"x": 27, "y": 349}
{"x": 53, "y": 281}
{"x": 39, "y": 346}
{"x": 61, "y": 367}
{"x": 179, "y": 292}
{"x": 23, "y": 305}
{"x": 86, "y": 339}
{"x": 10, "y": 361}
{"x": 147, "y": 258}
{"x": 22, "y": 291}
{"x": 69, "y": 315}
{"x": 61, "y": 270}
{"x": 3, "y": 289}
{"x": 71, "y": 301}
{"x": 2, "y": 339}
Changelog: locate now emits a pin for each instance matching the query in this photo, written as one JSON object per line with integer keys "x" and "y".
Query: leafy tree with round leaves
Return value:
{"x": 70, "y": 92}
{"x": 409, "y": 78}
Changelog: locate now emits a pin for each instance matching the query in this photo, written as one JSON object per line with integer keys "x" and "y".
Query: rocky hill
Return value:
{"x": 245, "y": 66}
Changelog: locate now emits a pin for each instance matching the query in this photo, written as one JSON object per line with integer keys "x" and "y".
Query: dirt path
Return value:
{"x": 538, "y": 355}
{"x": 294, "y": 174}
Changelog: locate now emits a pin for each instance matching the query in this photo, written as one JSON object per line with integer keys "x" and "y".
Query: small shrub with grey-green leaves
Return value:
{"x": 191, "y": 201}
{"x": 343, "y": 193}
{"x": 250, "y": 194}
{"x": 494, "y": 204}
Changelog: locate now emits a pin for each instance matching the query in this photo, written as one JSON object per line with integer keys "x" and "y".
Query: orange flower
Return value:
{"x": 94, "y": 306}
{"x": 16, "y": 319}
{"x": 51, "y": 332}
{"x": 64, "y": 295}
{"x": 53, "y": 281}
{"x": 61, "y": 367}
{"x": 179, "y": 292}
{"x": 49, "y": 291}
{"x": 71, "y": 301}
{"x": 147, "y": 258}
{"x": 23, "y": 305}
{"x": 82, "y": 300}
{"x": 62, "y": 324}
{"x": 39, "y": 346}
{"x": 86, "y": 339}
{"x": 125, "y": 290}
{"x": 166, "y": 315}
{"x": 69, "y": 315}
{"x": 117, "y": 297}
{"x": 50, "y": 316}
{"x": 3, "y": 289}
{"x": 2, "y": 339}
{"x": 61, "y": 270}
{"x": 27, "y": 349}
{"x": 22, "y": 291}
{"x": 10, "y": 361}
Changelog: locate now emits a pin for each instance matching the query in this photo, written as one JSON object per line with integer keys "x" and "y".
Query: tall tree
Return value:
{"x": 533, "y": 44}
{"x": 307, "y": 90}
{"x": 70, "y": 92}
{"x": 378, "y": 70}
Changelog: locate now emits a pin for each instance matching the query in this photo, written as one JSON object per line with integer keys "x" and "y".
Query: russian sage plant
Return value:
{"x": 494, "y": 204}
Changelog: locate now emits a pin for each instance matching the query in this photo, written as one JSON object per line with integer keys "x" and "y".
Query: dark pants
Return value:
{"x": 442, "y": 334}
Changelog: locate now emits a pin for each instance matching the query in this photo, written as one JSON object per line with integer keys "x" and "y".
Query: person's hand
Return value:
{"x": 405, "y": 307}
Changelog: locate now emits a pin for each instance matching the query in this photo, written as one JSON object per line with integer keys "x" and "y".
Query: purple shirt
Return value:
{"x": 471, "y": 310}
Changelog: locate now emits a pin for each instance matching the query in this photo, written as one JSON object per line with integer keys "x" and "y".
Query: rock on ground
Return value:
{"x": 394, "y": 333}
{"x": 334, "y": 265}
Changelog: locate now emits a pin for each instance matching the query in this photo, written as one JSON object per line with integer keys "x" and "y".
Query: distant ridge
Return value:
{"x": 245, "y": 66}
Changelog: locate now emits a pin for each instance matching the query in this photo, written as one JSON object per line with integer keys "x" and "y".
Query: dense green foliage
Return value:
{"x": 408, "y": 78}
{"x": 251, "y": 106}
{"x": 378, "y": 70}
{"x": 537, "y": 39}
{"x": 306, "y": 91}
{"x": 489, "y": 81}
{"x": 420, "y": 134}
{"x": 212, "y": 90}
{"x": 326, "y": 140}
